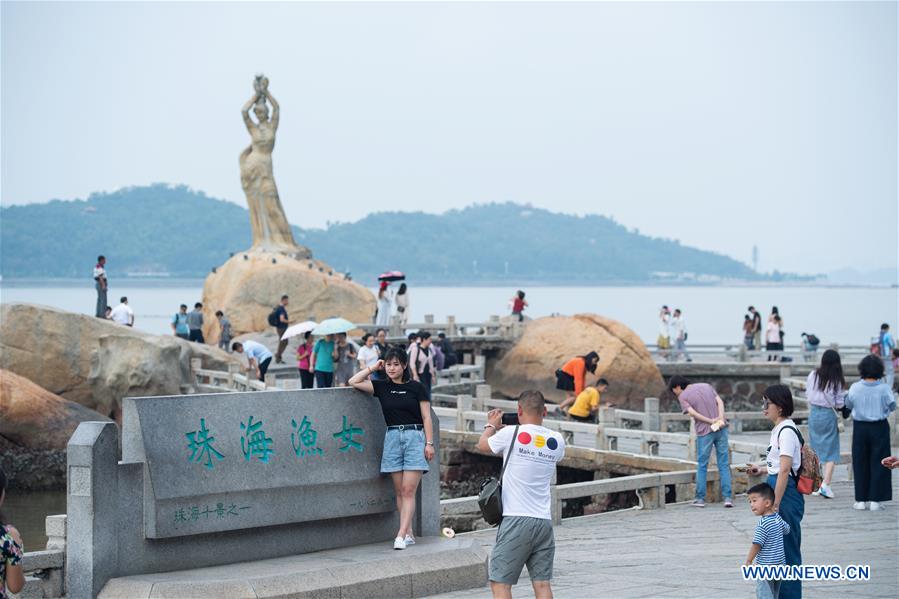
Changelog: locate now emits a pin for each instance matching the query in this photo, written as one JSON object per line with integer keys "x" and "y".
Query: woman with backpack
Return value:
{"x": 871, "y": 402}
{"x": 782, "y": 466}
{"x": 825, "y": 389}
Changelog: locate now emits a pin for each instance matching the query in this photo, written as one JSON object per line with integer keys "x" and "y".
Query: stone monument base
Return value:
{"x": 433, "y": 565}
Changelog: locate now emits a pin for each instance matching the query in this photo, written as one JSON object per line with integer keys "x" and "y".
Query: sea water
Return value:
{"x": 713, "y": 315}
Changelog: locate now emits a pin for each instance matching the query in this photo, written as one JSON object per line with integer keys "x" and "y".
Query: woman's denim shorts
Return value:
{"x": 404, "y": 450}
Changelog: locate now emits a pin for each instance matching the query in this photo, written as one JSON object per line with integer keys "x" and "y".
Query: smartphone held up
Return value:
{"x": 510, "y": 418}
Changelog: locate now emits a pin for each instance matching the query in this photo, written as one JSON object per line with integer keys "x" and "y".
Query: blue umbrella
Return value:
{"x": 332, "y": 326}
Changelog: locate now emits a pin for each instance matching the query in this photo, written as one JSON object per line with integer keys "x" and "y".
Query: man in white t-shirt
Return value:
{"x": 679, "y": 335}
{"x": 258, "y": 356}
{"x": 123, "y": 314}
{"x": 525, "y": 535}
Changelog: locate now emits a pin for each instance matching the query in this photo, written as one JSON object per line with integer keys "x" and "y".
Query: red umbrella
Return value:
{"x": 390, "y": 276}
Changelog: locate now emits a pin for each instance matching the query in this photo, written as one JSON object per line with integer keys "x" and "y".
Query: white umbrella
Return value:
{"x": 299, "y": 329}
{"x": 332, "y": 326}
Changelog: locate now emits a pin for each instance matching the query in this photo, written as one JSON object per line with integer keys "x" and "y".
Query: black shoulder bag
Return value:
{"x": 490, "y": 497}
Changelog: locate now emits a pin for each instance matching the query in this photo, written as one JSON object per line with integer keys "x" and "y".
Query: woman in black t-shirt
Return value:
{"x": 409, "y": 442}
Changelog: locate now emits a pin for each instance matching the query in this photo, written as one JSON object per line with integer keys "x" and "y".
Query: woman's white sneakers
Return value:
{"x": 399, "y": 543}
{"x": 824, "y": 491}
{"x": 874, "y": 506}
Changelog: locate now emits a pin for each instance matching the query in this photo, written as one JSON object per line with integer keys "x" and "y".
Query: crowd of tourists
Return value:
{"x": 392, "y": 303}
{"x": 792, "y": 466}
{"x": 400, "y": 376}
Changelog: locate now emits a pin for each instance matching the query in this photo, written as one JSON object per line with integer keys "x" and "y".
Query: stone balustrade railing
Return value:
{"x": 45, "y": 570}
{"x": 469, "y": 413}
{"x": 235, "y": 379}
{"x": 737, "y": 352}
{"x": 494, "y": 327}
{"x": 650, "y": 488}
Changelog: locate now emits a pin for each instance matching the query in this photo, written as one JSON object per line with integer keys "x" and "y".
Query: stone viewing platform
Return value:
{"x": 682, "y": 551}
{"x": 320, "y": 523}
{"x": 373, "y": 570}
{"x": 238, "y": 467}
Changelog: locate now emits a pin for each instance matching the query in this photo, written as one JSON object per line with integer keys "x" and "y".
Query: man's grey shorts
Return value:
{"x": 522, "y": 540}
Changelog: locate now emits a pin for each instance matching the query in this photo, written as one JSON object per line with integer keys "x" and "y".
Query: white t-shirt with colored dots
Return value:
{"x": 530, "y": 470}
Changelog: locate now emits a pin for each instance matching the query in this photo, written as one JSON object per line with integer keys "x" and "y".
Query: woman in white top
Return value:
{"x": 368, "y": 354}
{"x": 402, "y": 304}
{"x": 782, "y": 465}
{"x": 773, "y": 338}
{"x": 824, "y": 389}
{"x": 384, "y": 305}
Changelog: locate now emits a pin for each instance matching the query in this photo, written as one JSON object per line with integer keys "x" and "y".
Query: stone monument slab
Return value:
{"x": 220, "y": 462}
{"x": 205, "y": 477}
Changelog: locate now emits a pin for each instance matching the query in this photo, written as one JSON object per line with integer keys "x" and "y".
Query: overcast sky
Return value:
{"x": 721, "y": 124}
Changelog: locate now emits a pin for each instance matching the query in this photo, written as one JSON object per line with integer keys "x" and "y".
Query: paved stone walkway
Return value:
{"x": 682, "y": 551}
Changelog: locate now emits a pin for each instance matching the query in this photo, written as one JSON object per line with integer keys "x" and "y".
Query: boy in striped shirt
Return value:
{"x": 768, "y": 542}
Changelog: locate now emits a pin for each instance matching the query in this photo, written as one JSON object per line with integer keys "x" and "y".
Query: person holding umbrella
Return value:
{"x": 304, "y": 362}
{"x": 322, "y": 362}
{"x": 304, "y": 351}
{"x": 385, "y": 297}
{"x": 324, "y": 352}
{"x": 384, "y": 306}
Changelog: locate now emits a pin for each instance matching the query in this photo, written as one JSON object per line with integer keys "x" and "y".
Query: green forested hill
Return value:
{"x": 185, "y": 233}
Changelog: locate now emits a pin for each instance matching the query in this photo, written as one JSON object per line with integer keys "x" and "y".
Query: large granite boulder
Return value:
{"x": 250, "y": 284}
{"x": 35, "y": 427}
{"x": 33, "y": 418}
{"x": 547, "y": 343}
{"x": 96, "y": 362}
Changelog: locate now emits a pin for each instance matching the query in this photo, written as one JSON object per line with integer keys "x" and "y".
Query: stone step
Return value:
{"x": 433, "y": 565}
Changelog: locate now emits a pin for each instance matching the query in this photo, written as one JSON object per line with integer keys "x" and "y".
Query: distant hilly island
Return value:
{"x": 175, "y": 231}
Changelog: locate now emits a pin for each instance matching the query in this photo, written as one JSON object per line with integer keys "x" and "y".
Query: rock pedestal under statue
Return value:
{"x": 250, "y": 284}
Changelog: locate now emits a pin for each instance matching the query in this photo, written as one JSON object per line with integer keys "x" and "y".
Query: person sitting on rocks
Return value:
{"x": 586, "y": 406}
{"x": 572, "y": 377}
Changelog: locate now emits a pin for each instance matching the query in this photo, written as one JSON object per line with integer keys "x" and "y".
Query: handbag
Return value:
{"x": 490, "y": 496}
{"x": 840, "y": 426}
{"x": 844, "y": 412}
